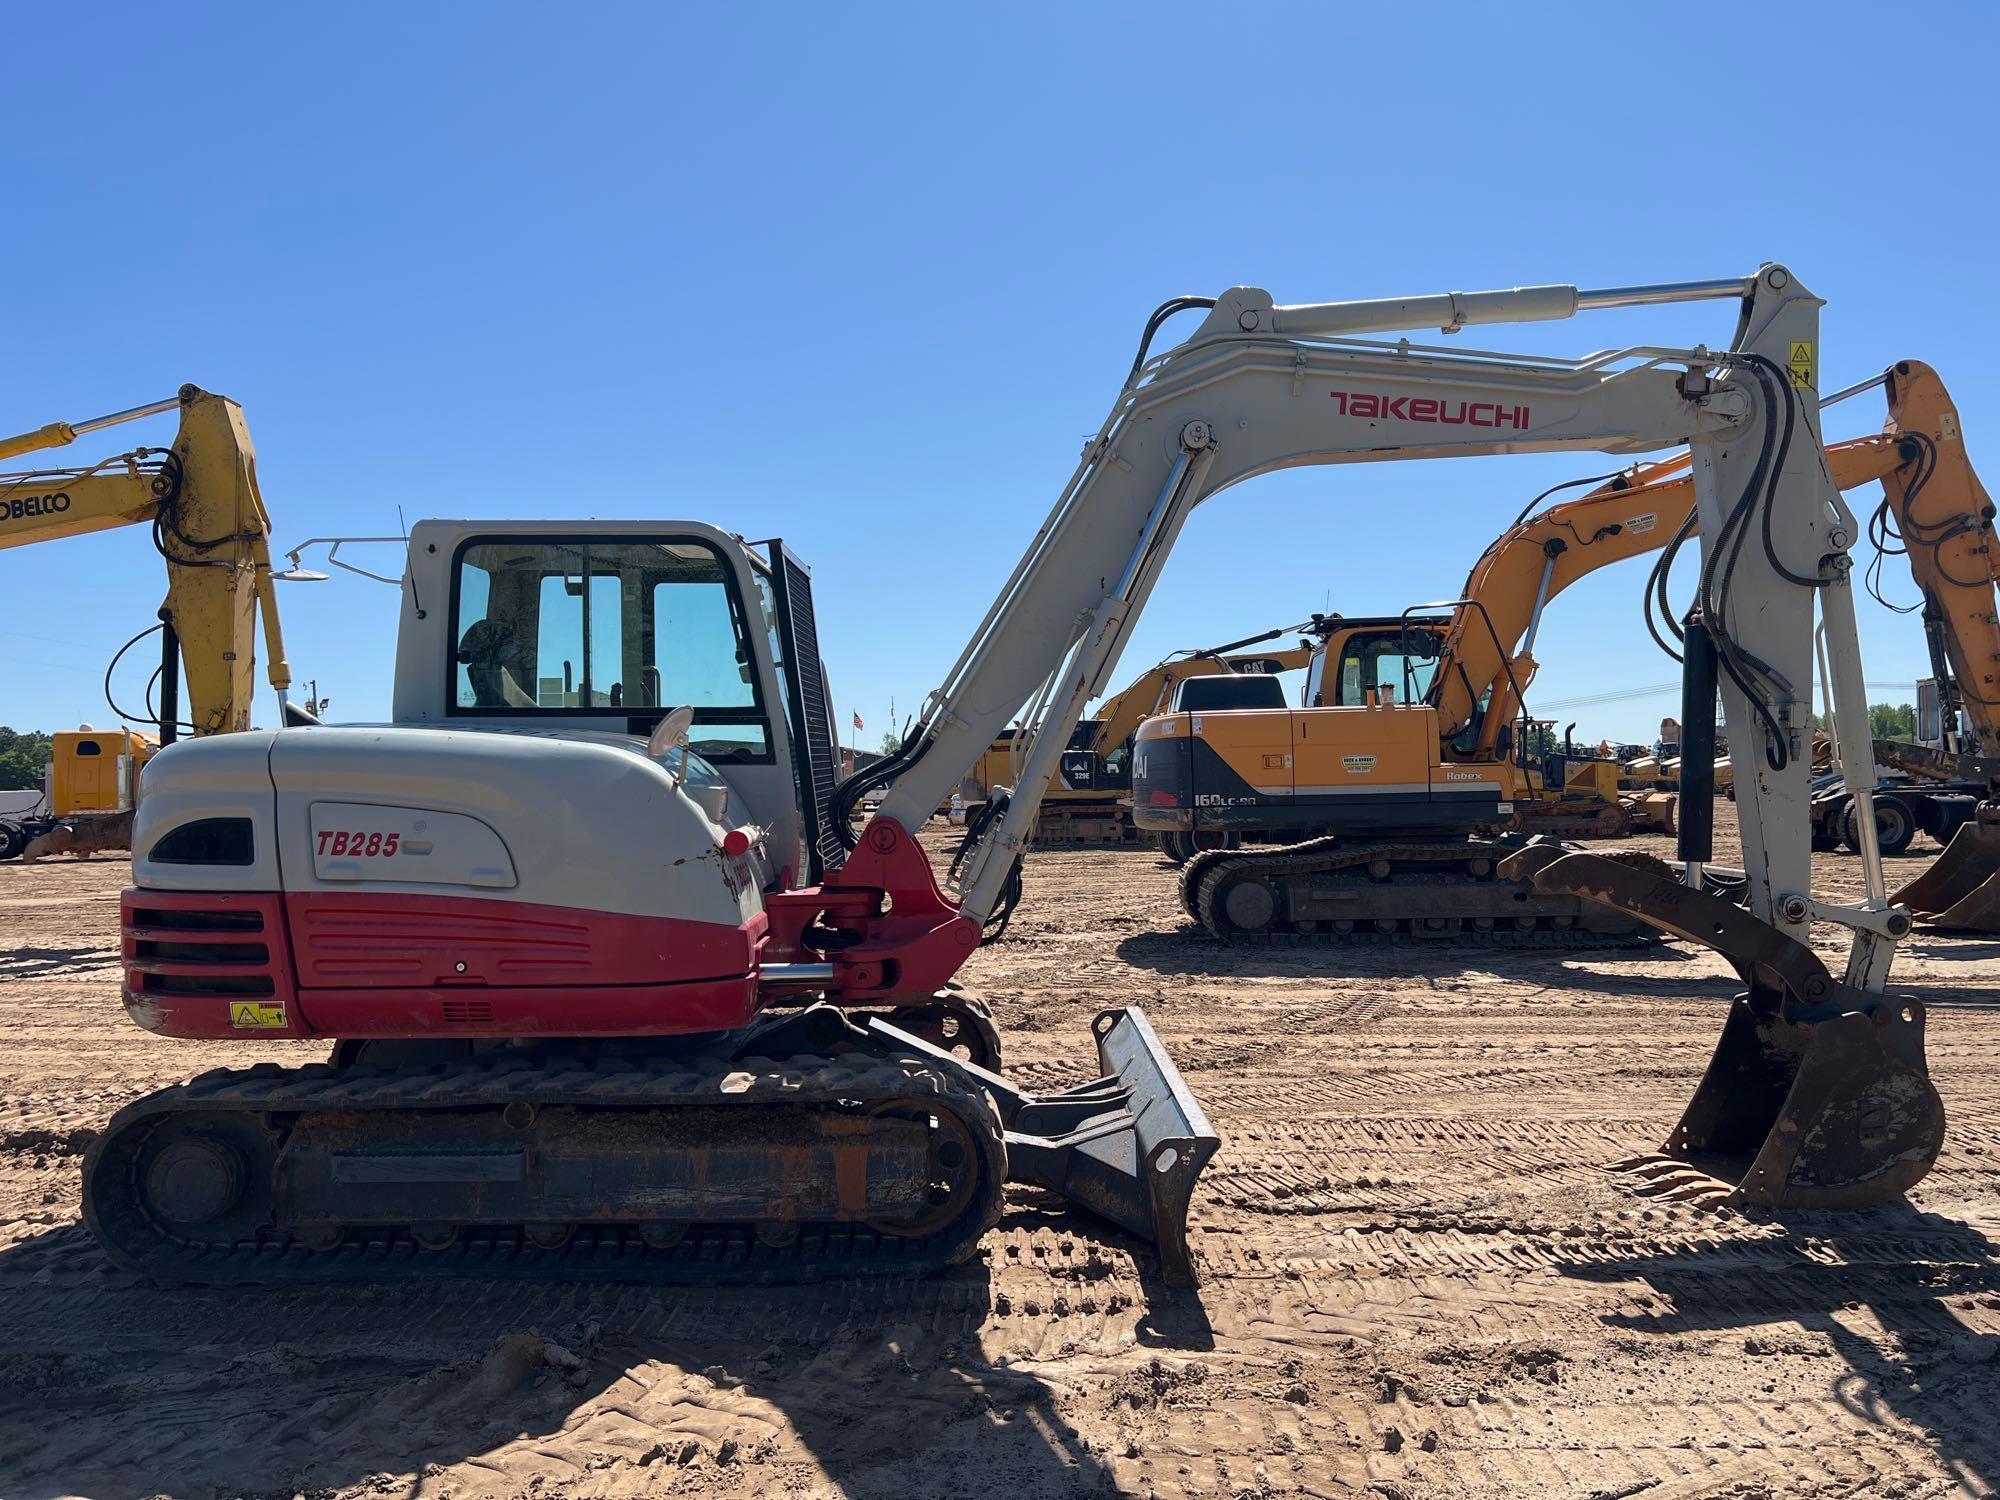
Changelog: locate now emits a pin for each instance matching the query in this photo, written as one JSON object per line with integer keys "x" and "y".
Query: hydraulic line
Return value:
{"x": 1160, "y": 315}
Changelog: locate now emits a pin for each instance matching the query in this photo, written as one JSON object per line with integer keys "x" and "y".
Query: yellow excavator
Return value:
{"x": 1392, "y": 780}
{"x": 209, "y": 525}
{"x": 1088, "y": 802}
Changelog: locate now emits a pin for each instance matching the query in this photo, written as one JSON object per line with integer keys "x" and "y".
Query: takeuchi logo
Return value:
{"x": 1431, "y": 409}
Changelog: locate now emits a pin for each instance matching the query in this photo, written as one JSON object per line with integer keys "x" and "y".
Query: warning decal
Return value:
{"x": 257, "y": 1015}
{"x": 1800, "y": 362}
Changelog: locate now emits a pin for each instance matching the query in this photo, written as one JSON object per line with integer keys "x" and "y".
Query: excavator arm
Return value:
{"x": 1942, "y": 517}
{"x": 1919, "y": 452}
{"x": 201, "y": 498}
{"x": 1262, "y": 387}
{"x": 1939, "y": 514}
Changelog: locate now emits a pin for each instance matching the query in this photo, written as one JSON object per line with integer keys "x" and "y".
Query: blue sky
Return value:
{"x": 866, "y": 277}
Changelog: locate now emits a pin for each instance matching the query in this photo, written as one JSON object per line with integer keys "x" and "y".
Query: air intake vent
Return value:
{"x": 193, "y": 944}
{"x": 210, "y": 841}
{"x": 468, "y": 1012}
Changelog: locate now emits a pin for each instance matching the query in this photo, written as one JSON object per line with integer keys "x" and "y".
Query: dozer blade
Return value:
{"x": 1818, "y": 1094}
{"x": 1128, "y": 1146}
{"x": 1960, "y": 891}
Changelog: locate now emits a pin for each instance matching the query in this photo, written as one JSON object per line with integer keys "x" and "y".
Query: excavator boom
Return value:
{"x": 210, "y": 526}
{"x": 1528, "y": 565}
{"x": 201, "y": 500}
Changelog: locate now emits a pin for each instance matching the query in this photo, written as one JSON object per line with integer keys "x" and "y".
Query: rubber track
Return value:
{"x": 1202, "y": 877}
{"x": 709, "y": 1255}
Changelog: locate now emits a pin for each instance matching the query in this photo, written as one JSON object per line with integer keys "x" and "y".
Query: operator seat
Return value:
{"x": 491, "y": 652}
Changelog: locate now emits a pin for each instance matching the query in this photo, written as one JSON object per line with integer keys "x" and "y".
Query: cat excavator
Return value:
{"x": 615, "y": 989}
{"x": 200, "y": 498}
{"x": 1089, "y": 802}
{"x": 1392, "y": 781}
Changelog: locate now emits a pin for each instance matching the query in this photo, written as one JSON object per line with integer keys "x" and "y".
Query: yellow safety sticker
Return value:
{"x": 257, "y": 1015}
{"x": 1801, "y": 363}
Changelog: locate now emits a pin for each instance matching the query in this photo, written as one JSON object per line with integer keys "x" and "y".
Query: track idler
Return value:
{"x": 1960, "y": 892}
{"x": 1128, "y": 1146}
{"x": 1818, "y": 1095}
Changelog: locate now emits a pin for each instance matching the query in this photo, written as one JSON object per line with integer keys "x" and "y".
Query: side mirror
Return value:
{"x": 670, "y": 733}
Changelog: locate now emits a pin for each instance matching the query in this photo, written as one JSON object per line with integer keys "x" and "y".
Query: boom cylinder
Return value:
{"x": 1697, "y": 809}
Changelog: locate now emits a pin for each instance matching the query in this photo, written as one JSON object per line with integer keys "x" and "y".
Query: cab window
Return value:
{"x": 552, "y": 626}
{"x": 1405, "y": 662}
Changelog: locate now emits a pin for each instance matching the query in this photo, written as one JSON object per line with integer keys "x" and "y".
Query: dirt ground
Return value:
{"x": 1420, "y": 1279}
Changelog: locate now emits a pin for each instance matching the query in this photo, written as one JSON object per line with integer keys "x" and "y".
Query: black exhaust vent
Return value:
{"x": 816, "y": 755}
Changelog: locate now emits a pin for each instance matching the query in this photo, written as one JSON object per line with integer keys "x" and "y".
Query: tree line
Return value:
{"x": 23, "y": 758}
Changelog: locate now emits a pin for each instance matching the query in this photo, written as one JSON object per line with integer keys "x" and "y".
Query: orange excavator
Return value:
{"x": 1412, "y": 741}
{"x": 1936, "y": 512}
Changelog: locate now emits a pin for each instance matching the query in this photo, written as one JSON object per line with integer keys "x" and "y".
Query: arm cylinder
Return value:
{"x": 1697, "y": 809}
{"x": 1449, "y": 311}
{"x": 55, "y": 435}
{"x": 170, "y": 679}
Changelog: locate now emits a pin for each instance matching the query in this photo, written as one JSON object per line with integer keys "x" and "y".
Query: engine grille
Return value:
{"x": 193, "y": 945}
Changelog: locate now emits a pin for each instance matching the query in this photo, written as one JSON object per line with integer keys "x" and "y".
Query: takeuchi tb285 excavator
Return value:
{"x": 616, "y": 991}
{"x": 1389, "y": 783}
{"x": 200, "y": 498}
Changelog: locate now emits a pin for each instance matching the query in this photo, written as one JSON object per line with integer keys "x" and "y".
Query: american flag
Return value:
{"x": 857, "y": 722}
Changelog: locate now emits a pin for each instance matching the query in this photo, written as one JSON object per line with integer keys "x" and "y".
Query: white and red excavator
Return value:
{"x": 615, "y": 990}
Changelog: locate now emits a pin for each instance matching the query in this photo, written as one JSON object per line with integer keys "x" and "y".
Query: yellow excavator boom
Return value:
{"x": 209, "y": 523}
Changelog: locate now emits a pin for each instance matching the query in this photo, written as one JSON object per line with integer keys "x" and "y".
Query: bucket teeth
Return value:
{"x": 1651, "y": 1167}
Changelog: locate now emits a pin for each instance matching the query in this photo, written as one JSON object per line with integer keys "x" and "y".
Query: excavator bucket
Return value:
{"x": 1818, "y": 1094}
{"x": 1835, "y": 1113}
{"x": 1960, "y": 892}
{"x": 1128, "y": 1146}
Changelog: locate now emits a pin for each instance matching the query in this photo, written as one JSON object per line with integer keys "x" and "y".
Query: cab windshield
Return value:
{"x": 1373, "y": 668}
{"x": 558, "y": 627}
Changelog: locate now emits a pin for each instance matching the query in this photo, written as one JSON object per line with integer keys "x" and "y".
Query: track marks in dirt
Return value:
{"x": 1420, "y": 1275}
{"x": 57, "y": 963}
